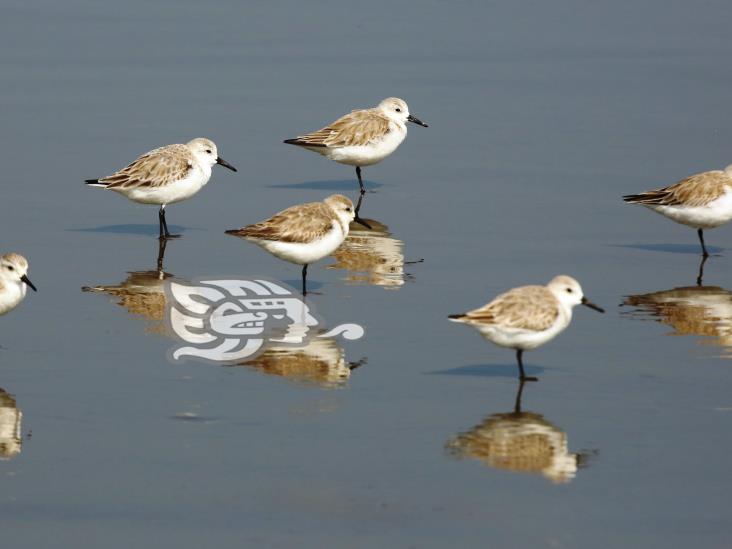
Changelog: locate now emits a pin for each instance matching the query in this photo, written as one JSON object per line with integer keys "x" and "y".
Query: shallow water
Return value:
{"x": 541, "y": 116}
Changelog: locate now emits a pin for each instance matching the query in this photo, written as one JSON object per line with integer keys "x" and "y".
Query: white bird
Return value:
{"x": 526, "y": 317}
{"x": 304, "y": 233}
{"x": 13, "y": 281}
{"x": 165, "y": 175}
{"x": 702, "y": 201}
{"x": 363, "y": 137}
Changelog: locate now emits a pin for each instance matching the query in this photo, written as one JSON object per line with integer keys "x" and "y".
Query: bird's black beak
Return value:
{"x": 220, "y": 161}
{"x": 416, "y": 120}
{"x": 25, "y": 279}
{"x": 362, "y": 222}
{"x": 587, "y": 303}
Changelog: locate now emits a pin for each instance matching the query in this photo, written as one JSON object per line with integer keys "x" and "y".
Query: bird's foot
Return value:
{"x": 305, "y": 294}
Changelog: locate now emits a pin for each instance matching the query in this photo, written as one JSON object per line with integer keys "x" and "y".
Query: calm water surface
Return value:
{"x": 541, "y": 116}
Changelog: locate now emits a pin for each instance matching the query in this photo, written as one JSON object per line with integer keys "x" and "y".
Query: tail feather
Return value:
{"x": 651, "y": 197}
{"x": 633, "y": 198}
{"x": 456, "y": 317}
{"x": 300, "y": 143}
{"x": 243, "y": 232}
{"x": 94, "y": 183}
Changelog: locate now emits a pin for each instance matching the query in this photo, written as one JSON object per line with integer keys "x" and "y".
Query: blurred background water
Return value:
{"x": 541, "y": 116}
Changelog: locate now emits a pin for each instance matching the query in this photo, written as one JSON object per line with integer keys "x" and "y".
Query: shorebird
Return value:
{"x": 165, "y": 176}
{"x": 304, "y": 233}
{"x": 526, "y": 317}
{"x": 362, "y": 137}
{"x": 702, "y": 201}
{"x": 13, "y": 281}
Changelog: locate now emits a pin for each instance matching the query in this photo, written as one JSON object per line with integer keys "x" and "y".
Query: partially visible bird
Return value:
{"x": 701, "y": 201}
{"x": 13, "y": 281}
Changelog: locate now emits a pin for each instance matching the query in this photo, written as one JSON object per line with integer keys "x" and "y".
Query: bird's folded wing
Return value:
{"x": 357, "y": 128}
{"x": 156, "y": 168}
{"x": 525, "y": 308}
{"x": 696, "y": 190}
{"x": 298, "y": 224}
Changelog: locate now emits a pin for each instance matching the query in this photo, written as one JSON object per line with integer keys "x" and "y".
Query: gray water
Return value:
{"x": 541, "y": 116}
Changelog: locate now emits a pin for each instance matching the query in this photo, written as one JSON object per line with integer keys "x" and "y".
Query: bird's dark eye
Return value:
{"x": 208, "y": 151}
{"x": 569, "y": 290}
{"x": 398, "y": 109}
{"x": 11, "y": 268}
{"x": 348, "y": 209}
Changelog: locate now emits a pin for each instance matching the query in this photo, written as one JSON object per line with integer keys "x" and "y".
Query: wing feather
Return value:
{"x": 299, "y": 224}
{"x": 697, "y": 190}
{"x": 525, "y": 308}
{"x": 156, "y": 168}
{"x": 357, "y": 128}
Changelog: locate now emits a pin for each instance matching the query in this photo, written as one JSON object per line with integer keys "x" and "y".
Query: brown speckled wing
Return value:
{"x": 355, "y": 129}
{"x": 301, "y": 224}
{"x": 156, "y": 168}
{"x": 696, "y": 190}
{"x": 526, "y": 308}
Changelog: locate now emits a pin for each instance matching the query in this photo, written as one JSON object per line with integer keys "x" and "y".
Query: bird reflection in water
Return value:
{"x": 142, "y": 293}
{"x": 372, "y": 256}
{"x": 522, "y": 442}
{"x": 700, "y": 274}
{"x": 10, "y": 420}
{"x": 692, "y": 310}
{"x": 321, "y": 362}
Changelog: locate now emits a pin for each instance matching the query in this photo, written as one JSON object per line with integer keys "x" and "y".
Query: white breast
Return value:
{"x": 515, "y": 338}
{"x": 172, "y": 192}
{"x": 12, "y": 293}
{"x": 367, "y": 155}
{"x": 716, "y": 213}
{"x": 304, "y": 253}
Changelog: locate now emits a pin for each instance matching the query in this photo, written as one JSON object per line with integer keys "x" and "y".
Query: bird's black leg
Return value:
{"x": 164, "y": 233}
{"x": 701, "y": 239}
{"x": 523, "y": 376}
{"x": 360, "y": 181}
{"x": 161, "y": 222}
{"x": 165, "y": 223}
{"x": 304, "y": 276}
